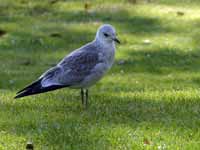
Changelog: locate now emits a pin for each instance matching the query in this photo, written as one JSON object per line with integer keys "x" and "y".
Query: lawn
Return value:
{"x": 150, "y": 99}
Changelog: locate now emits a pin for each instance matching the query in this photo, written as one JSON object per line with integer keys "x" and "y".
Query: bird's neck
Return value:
{"x": 105, "y": 44}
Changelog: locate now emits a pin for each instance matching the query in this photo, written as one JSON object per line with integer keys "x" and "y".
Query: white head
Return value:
{"x": 106, "y": 34}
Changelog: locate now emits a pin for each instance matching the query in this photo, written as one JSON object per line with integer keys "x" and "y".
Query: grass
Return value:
{"x": 151, "y": 101}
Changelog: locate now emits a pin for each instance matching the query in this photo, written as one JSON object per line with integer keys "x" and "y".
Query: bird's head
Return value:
{"x": 107, "y": 34}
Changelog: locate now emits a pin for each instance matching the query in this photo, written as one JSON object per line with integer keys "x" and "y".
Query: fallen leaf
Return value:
{"x": 53, "y": 1}
{"x": 87, "y": 6}
{"x": 180, "y": 13}
{"x": 146, "y": 141}
{"x": 55, "y": 35}
{"x": 2, "y": 32}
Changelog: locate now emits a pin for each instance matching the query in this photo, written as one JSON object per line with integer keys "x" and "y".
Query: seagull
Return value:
{"x": 81, "y": 69}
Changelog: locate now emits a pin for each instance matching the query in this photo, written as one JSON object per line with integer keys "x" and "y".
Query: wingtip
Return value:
{"x": 17, "y": 96}
{"x": 18, "y": 92}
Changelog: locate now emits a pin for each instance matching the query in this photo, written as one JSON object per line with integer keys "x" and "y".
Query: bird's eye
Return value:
{"x": 105, "y": 34}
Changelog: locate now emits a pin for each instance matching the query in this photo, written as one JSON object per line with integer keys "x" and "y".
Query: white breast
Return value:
{"x": 107, "y": 55}
{"x": 106, "y": 59}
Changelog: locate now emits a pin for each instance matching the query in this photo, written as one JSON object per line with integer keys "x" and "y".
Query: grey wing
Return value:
{"x": 77, "y": 67}
{"x": 51, "y": 77}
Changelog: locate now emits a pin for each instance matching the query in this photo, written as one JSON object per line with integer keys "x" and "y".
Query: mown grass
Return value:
{"x": 150, "y": 101}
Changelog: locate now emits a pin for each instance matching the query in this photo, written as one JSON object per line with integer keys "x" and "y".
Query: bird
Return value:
{"x": 81, "y": 68}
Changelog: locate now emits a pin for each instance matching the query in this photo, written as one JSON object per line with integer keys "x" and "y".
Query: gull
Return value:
{"x": 81, "y": 69}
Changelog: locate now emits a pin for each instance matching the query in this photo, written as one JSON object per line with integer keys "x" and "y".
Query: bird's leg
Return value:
{"x": 82, "y": 96}
{"x": 86, "y": 97}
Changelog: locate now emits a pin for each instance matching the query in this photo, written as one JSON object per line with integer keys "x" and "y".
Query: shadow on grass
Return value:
{"x": 163, "y": 61}
{"x": 121, "y": 18}
{"x": 178, "y": 2}
{"x": 131, "y": 23}
{"x": 160, "y": 61}
{"x": 40, "y": 41}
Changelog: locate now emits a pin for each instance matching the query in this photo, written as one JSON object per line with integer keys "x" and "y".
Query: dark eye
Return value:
{"x": 105, "y": 34}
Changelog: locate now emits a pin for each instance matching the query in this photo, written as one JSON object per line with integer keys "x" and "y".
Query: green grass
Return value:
{"x": 151, "y": 101}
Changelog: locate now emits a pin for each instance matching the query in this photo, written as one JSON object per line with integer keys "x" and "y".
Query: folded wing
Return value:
{"x": 69, "y": 72}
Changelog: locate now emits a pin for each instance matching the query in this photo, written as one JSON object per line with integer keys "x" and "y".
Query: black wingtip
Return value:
{"x": 19, "y": 95}
{"x": 15, "y": 97}
{"x": 37, "y": 89}
{"x": 30, "y": 86}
